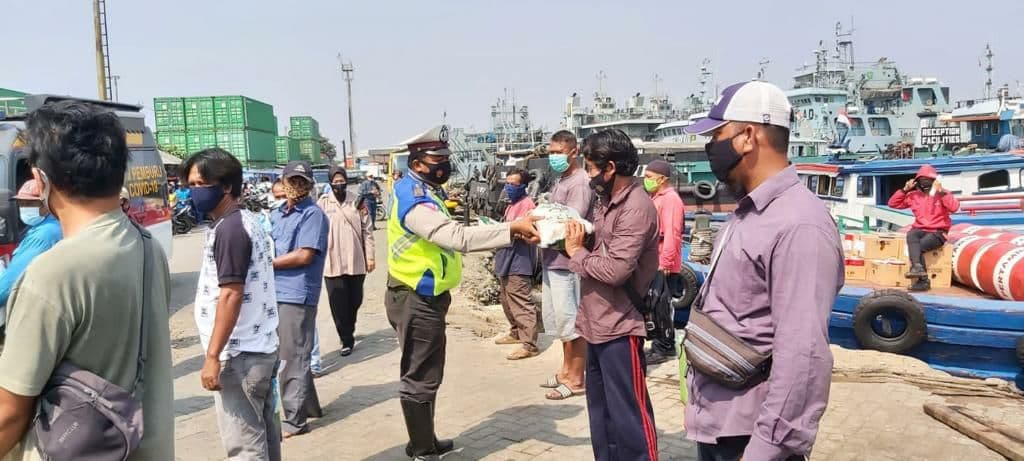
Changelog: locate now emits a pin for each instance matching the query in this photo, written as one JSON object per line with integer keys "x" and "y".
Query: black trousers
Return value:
{"x": 919, "y": 241}
{"x": 667, "y": 345}
{"x": 730, "y": 449}
{"x": 419, "y": 322}
{"x": 621, "y": 415}
{"x": 345, "y": 294}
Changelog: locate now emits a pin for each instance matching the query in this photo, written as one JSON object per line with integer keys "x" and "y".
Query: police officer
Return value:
{"x": 424, "y": 263}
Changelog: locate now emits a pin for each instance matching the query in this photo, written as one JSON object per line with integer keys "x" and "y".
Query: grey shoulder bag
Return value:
{"x": 81, "y": 415}
{"x": 716, "y": 352}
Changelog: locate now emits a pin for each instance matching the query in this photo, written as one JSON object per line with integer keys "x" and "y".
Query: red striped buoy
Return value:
{"x": 992, "y": 266}
{"x": 993, "y": 233}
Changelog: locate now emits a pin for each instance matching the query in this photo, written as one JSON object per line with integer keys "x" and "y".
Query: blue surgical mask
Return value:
{"x": 515, "y": 193}
{"x": 30, "y": 216}
{"x": 206, "y": 198}
{"x": 558, "y": 162}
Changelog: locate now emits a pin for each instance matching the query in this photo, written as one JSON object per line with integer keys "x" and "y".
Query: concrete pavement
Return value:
{"x": 494, "y": 409}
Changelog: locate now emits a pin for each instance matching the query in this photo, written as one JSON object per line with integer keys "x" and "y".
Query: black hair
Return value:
{"x": 778, "y": 137}
{"x": 611, "y": 145}
{"x": 217, "y": 167}
{"x": 564, "y": 137}
{"x": 80, "y": 146}
{"x": 524, "y": 176}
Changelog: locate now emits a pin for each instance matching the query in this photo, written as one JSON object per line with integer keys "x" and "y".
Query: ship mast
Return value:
{"x": 988, "y": 70}
{"x": 705, "y": 77}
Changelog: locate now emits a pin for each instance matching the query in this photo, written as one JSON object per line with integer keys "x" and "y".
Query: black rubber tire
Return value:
{"x": 180, "y": 227}
{"x": 690, "y": 288}
{"x": 706, "y": 185}
{"x": 1020, "y": 350}
{"x": 882, "y": 301}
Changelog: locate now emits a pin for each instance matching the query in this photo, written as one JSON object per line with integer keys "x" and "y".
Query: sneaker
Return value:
{"x": 922, "y": 284}
{"x": 655, "y": 358}
{"x": 916, "y": 271}
{"x": 346, "y": 351}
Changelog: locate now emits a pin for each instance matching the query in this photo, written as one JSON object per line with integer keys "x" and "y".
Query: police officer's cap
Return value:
{"x": 431, "y": 142}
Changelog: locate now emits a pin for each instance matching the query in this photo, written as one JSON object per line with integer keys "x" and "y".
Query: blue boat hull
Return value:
{"x": 966, "y": 336}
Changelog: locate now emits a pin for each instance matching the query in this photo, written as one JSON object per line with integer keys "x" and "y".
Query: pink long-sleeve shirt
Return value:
{"x": 670, "y": 229}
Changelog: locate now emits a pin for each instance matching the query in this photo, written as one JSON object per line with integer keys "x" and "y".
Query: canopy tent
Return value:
{"x": 169, "y": 159}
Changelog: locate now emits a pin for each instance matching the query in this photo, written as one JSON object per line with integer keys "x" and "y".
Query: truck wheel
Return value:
{"x": 889, "y": 321}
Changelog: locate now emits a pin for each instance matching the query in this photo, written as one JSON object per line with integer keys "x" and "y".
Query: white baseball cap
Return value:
{"x": 749, "y": 102}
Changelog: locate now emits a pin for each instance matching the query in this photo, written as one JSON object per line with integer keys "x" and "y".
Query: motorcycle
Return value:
{"x": 184, "y": 218}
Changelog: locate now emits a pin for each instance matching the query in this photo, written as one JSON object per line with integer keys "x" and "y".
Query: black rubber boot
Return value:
{"x": 419, "y": 422}
{"x": 922, "y": 284}
{"x": 441, "y": 446}
{"x": 916, "y": 271}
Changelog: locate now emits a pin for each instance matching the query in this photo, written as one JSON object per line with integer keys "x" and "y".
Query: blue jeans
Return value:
{"x": 314, "y": 358}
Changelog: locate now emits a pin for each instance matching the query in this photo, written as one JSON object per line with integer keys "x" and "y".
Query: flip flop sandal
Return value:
{"x": 552, "y": 382}
{"x": 521, "y": 354}
{"x": 563, "y": 393}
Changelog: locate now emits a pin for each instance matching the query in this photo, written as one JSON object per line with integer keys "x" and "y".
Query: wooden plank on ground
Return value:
{"x": 988, "y": 436}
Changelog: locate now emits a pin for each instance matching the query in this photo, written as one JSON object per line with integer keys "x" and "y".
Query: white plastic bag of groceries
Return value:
{"x": 552, "y": 225}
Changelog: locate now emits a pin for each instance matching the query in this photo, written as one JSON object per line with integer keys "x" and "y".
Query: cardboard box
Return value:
{"x": 887, "y": 273}
{"x": 884, "y": 246}
{"x": 856, "y": 269}
{"x": 939, "y": 258}
{"x": 940, "y": 278}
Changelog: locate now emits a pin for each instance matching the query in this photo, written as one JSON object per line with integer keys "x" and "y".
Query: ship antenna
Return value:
{"x": 763, "y": 71}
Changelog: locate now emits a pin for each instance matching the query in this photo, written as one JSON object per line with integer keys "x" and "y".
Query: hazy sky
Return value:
{"x": 415, "y": 60}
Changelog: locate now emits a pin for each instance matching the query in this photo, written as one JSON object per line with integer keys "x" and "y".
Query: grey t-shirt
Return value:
{"x": 81, "y": 302}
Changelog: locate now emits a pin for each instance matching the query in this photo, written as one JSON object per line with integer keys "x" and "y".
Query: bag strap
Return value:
{"x": 147, "y": 256}
{"x": 698, "y": 303}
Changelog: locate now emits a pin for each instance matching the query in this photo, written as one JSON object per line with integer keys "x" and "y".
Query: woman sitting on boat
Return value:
{"x": 931, "y": 205}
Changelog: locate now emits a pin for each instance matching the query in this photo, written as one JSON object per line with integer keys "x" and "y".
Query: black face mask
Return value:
{"x": 340, "y": 191}
{"x": 722, "y": 157}
{"x": 925, "y": 184}
{"x": 438, "y": 173}
{"x": 602, "y": 186}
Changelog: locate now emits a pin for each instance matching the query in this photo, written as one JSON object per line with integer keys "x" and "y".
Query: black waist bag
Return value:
{"x": 716, "y": 352}
{"x": 654, "y": 306}
{"x": 81, "y": 416}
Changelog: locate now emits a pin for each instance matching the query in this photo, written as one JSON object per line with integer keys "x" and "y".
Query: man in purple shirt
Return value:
{"x": 623, "y": 256}
{"x": 779, "y": 270}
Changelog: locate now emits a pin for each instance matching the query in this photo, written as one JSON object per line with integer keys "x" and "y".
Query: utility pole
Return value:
{"x": 347, "y": 69}
{"x": 103, "y": 81}
{"x": 114, "y": 79}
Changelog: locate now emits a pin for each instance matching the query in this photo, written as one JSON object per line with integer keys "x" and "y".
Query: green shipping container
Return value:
{"x": 169, "y": 114}
{"x": 12, "y": 102}
{"x": 251, "y": 147}
{"x": 309, "y": 150}
{"x": 196, "y": 141}
{"x": 240, "y": 112}
{"x": 304, "y": 127}
{"x": 287, "y": 149}
{"x": 199, "y": 114}
{"x": 12, "y": 106}
{"x": 173, "y": 143}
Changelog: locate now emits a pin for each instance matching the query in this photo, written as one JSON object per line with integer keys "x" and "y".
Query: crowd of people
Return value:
{"x": 776, "y": 270}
